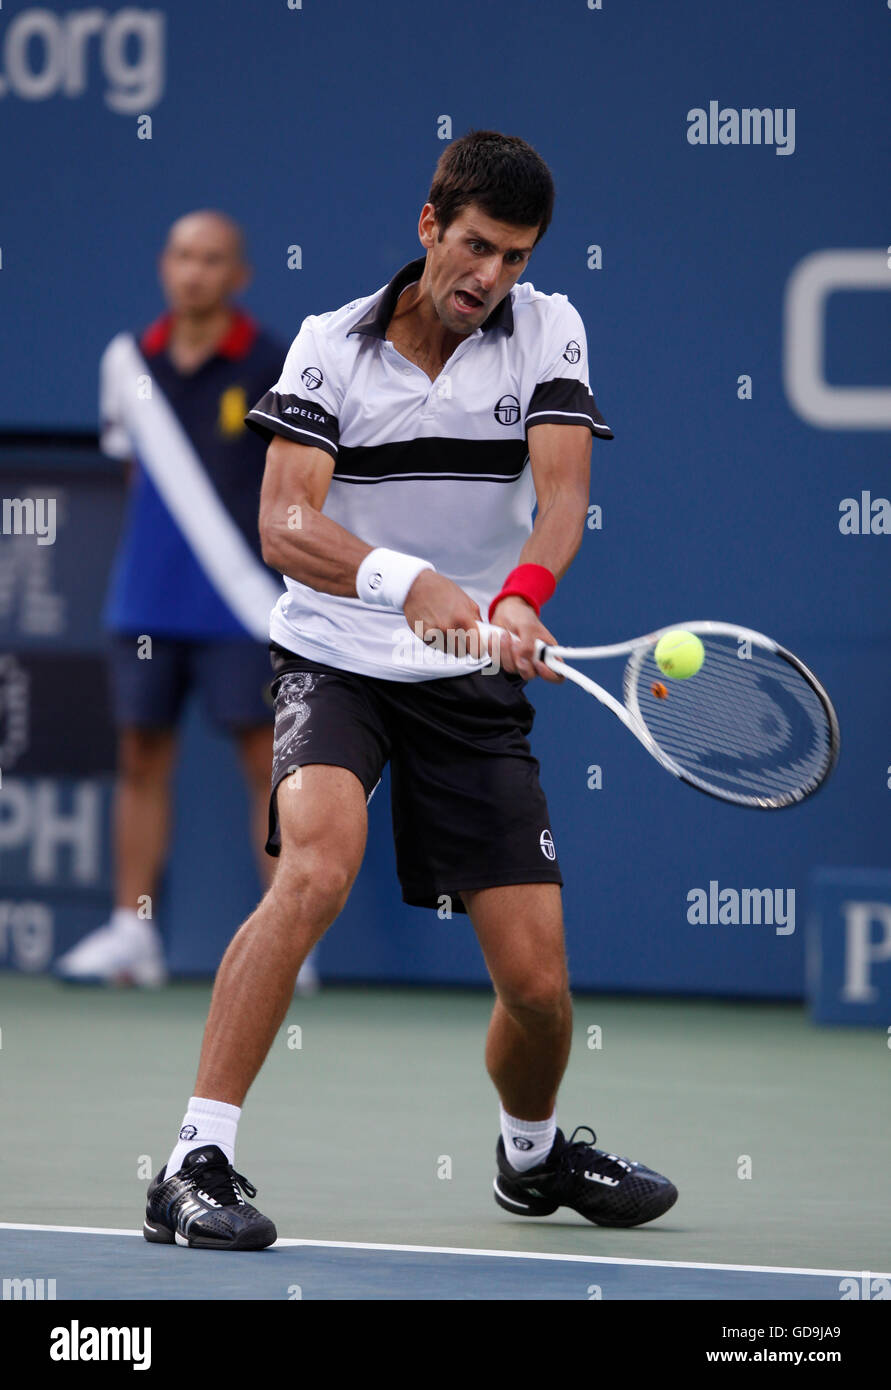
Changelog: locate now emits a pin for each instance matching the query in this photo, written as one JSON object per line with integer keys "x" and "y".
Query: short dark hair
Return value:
{"x": 506, "y": 177}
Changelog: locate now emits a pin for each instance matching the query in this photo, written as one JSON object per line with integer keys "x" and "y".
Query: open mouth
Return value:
{"x": 467, "y": 302}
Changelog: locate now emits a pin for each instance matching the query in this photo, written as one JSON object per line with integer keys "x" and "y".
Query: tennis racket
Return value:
{"x": 754, "y": 726}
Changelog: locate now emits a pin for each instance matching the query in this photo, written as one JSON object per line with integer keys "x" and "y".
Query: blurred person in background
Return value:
{"x": 189, "y": 596}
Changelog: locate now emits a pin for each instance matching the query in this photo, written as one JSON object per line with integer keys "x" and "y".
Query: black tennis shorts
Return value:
{"x": 468, "y": 811}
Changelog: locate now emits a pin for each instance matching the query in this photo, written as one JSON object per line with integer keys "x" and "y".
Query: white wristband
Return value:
{"x": 385, "y": 577}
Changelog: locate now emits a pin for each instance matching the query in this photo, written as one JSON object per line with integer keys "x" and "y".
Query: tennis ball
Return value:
{"x": 679, "y": 654}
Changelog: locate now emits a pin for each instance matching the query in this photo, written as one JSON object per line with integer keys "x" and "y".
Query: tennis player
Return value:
{"x": 411, "y": 435}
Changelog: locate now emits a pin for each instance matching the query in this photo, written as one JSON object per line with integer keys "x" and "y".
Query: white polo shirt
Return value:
{"x": 438, "y": 469}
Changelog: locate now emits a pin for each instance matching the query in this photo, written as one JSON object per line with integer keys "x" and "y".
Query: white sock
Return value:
{"x": 527, "y": 1142}
{"x": 205, "y": 1122}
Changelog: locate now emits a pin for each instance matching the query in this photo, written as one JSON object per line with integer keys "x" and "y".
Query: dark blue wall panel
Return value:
{"x": 319, "y": 127}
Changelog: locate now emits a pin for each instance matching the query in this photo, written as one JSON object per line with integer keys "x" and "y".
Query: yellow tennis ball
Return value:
{"x": 679, "y": 654}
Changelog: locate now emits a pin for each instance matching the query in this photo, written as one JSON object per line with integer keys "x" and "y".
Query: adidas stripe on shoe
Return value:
{"x": 201, "y": 1206}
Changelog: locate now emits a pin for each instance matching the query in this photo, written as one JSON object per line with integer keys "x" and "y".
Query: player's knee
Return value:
{"x": 542, "y": 995}
{"x": 313, "y": 886}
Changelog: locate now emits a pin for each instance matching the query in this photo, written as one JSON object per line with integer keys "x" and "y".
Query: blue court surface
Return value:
{"x": 91, "y": 1263}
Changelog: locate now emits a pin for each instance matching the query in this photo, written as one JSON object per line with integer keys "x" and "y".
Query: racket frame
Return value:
{"x": 636, "y": 649}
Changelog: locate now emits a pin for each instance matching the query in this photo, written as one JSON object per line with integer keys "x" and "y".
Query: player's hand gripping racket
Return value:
{"x": 753, "y": 726}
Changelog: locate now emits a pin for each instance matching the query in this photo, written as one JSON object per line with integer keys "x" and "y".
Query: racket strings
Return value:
{"x": 748, "y": 726}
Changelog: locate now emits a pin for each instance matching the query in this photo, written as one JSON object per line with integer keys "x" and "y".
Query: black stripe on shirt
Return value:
{"x": 304, "y": 421}
{"x": 564, "y": 401}
{"x": 489, "y": 460}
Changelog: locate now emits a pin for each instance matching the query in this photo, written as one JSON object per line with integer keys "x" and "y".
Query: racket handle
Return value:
{"x": 489, "y": 631}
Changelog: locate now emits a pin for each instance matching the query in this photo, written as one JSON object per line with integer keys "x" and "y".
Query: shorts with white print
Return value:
{"x": 467, "y": 805}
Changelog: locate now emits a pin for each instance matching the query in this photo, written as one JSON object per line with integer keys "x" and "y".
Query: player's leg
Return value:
{"x": 520, "y": 931}
{"x": 255, "y": 748}
{"x": 472, "y": 824}
{"x": 195, "y": 1199}
{"x": 329, "y": 750}
{"x": 469, "y": 812}
{"x": 328, "y": 754}
{"x": 323, "y": 823}
{"x": 255, "y": 752}
{"x": 147, "y": 696}
{"x": 233, "y": 676}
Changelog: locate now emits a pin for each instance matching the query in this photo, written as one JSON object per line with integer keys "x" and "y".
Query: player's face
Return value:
{"x": 201, "y": 266}
{"x": 473, "y": 266}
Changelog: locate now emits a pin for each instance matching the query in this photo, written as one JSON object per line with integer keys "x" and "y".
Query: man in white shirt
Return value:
{"x": 412, "y": 433}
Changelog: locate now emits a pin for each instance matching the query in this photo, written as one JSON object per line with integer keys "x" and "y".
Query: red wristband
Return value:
{"x": 534, "y": 583}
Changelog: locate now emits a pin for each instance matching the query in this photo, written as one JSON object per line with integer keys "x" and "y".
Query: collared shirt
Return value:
{"x": 158, "y": 585}
{"x": 437, "y": 469}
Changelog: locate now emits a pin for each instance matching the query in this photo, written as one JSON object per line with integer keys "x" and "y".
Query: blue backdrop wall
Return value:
{"x": 318, "y": 126}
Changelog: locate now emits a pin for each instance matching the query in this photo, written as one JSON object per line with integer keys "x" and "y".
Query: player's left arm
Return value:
{"x": 560, "y": 460}
{"x": 561, "y": 420}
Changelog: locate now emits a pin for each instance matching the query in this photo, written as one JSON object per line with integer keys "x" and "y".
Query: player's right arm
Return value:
{"x": 301, "y": 542}
{"x": 296, "y": 538}
{"x": 300, "y": 419}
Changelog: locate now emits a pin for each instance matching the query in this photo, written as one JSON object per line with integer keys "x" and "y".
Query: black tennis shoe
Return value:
{"x": 202, "y": 1206}
{"x": 605, "y": 1189}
